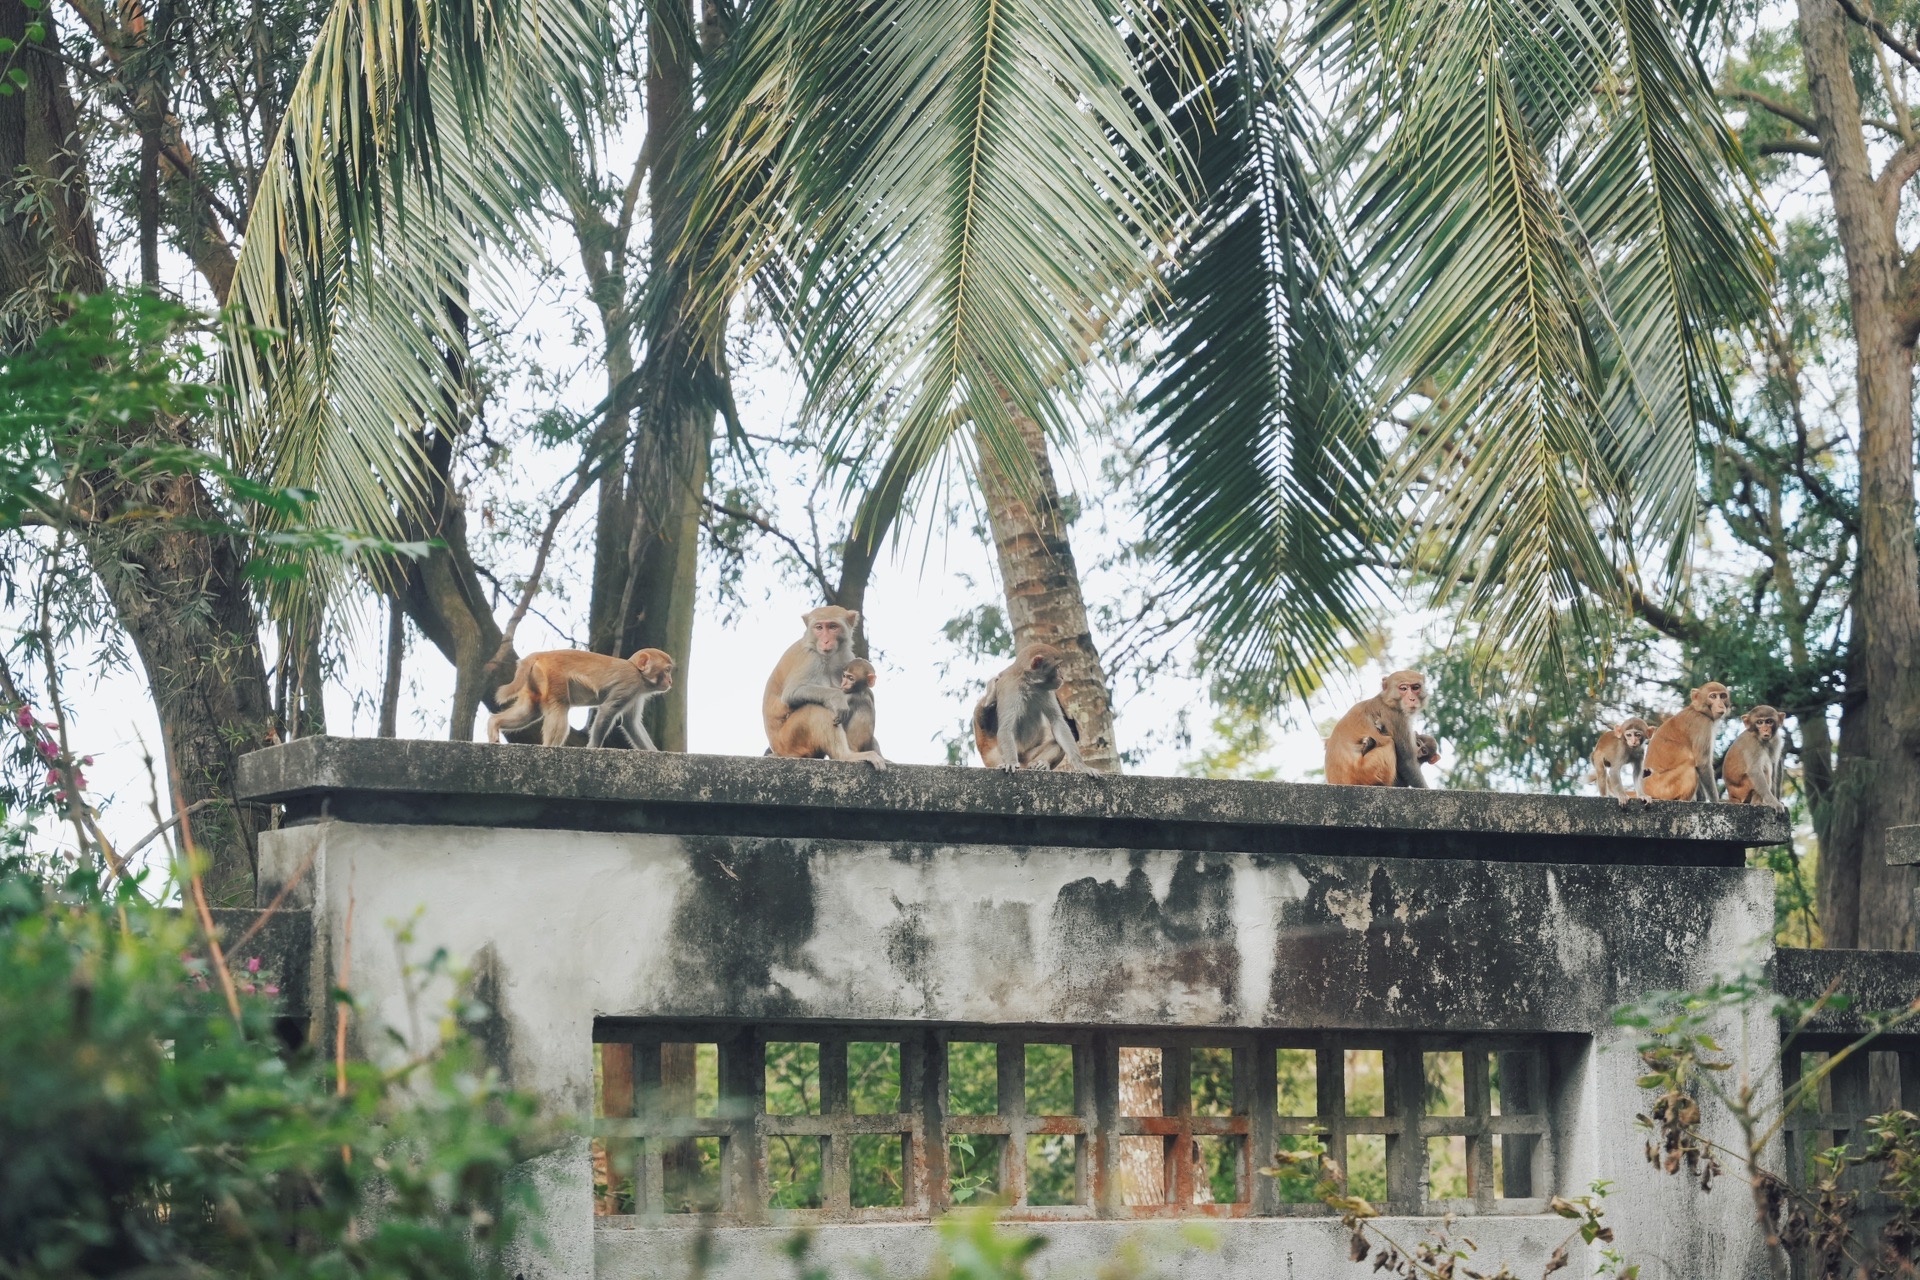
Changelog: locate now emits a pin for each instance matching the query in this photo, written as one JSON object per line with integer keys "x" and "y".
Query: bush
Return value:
{"x": 145, "y": 1130}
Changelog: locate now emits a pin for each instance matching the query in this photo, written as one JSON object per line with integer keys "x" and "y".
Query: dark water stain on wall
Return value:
{"x": 748, "y": 911}
{"x": 1110, "y": 939}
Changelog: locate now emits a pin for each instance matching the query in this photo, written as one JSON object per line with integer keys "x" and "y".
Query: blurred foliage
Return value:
{"x": 148, "y": 1130}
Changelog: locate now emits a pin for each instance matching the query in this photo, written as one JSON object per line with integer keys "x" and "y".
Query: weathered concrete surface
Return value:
{"x": 384, "y": 780}
{"x": 566, "y": 926}
{"x": 1877, "y": 984}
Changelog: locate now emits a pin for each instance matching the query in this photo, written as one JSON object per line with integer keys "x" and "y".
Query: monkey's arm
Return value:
{"x": 808, "y": 686}
{"x": 1708, "y": 787}
{"x": 1407, "y": 763}
{"x": 1063, "y": 735}
{"x": 1010, "y": 708}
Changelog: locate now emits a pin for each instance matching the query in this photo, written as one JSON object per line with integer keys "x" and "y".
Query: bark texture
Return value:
{"x": 1045, "y": 604}
{"x": 1877, "y": 782}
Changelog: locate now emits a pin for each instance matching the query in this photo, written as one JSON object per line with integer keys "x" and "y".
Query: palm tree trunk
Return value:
{"x": 1044, "y": 602}
{"x": 1878, "y": 781}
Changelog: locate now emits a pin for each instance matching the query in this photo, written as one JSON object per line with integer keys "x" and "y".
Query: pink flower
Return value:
{"x": 48, "y": 750}
{"x": 271, "y": 990}
{"x": 253, "y": 965}
{"x": 25, "y": 718}
{"x": 247, "y": 987}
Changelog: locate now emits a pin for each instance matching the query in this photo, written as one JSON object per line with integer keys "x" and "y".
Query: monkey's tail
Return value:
{"x": 513, "y": 688}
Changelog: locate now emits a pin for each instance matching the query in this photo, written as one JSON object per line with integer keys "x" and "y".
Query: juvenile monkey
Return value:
{"x": 1752, "y": 766}
{"x": 1020, "y": 722}
{"x": 1374, "y": 744}
{"x": 806, "y": 709}
{"x": 857, "y": 683}
{"x": 546, "y": 686}
{"x": 1426, "y": 748}
{"x": 1623, "y": 746}
{"x": 1679, "y": 760}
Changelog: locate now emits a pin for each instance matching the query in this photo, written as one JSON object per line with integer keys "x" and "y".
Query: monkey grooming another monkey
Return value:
{"x": 1374, "y": 744}
{"x": 1020, "y": 722}
{"x": 1680, "y": 752}
{"x": 857, "y": 683}
{"x": 1623, "y": 746}
{"x": 1752, "y": 766}
{"x": 805, "y": 707}
{"x": 546, "y": 686}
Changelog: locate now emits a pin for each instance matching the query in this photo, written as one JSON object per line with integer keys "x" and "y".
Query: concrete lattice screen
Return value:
{"x": 779, "y": 993}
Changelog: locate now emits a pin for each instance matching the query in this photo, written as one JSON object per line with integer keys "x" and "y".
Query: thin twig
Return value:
{"x": 278, "y": 898}
{"x": 762, "y": 523}
{"x": 584, "y": 476}
{"x": 1908, "y": 54}
{"x": 206, "y": 916}
{"x": 340, "y": 1015}
{"x": 166, "y": 826}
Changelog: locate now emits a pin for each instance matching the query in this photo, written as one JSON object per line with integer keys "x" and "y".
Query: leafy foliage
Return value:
{"x": 146, "y": 1128}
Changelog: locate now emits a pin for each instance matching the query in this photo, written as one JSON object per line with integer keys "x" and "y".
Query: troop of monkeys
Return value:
{"x": 819, "y": 700}
{"x": 1375, "y": 745}
{"x": 819, "y": 703}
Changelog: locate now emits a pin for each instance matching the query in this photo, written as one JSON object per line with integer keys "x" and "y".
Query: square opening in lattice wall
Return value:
{"x": 1140, "y": 1091}
{"x": 1051, "y": 1163}
{"x": 794, "y": 1162}
{"x": 1050, "y": 1080}
{"x": 973, "y": 1166}
{"x": 1143, "y": 1169}
{"x": 1447, "y": 1168}
{"x": 879, "y": 1170}
{"x": 1217, "y": 1167}
{"x": 690, "y": 1174}
{"x": 1296, "y": 1082}
{"x": 873, "y": 1078}
{"x": 1446, "y": 1083}
{"x": 793, "y": 1078}
{"x": 1295, "y": 1182}
{"x": 1210, "y": 1073}
{"x": 1367, "y": 1166}
{"x": 973, "y": 1078}
{"x": 1513, "y": 1165}
{"x": 1366, "y": 1081}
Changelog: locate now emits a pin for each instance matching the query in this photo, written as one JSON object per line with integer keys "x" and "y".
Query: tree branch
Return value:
{"x": 1907, "y": 52}
{"x": 765, "y": 525}
{"x": 1790, "y": 147}
{"x": 1894, "y": 178}
{"x": 1792, "y": 114}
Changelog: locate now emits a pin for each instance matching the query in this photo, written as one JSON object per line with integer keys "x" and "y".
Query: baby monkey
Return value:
{"x": 857, "y": 683}
{"x": 546, "y": 686}
{"x": 1019, "y": 723}
{"x": 1623, "y": 746}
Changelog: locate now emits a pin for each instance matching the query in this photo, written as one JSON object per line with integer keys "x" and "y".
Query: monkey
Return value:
{"x": 1679, "y": 760}
{"x": 805, "y": 707}
{"x": 1623, "y": 746}
{"x": 545, "y": 686}
{"x": 1426, "y": 748}
{"x": 1021, "y": 721}
{"x": 1374, "y": 744}
{"x": 1752, "y": 766}
{"x": 857, "y": 683}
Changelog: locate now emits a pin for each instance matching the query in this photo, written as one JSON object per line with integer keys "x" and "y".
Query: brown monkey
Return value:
{"x": 805, "y": 707}
{"x": 1680, "y": 752}
{"x": 1021, "y": 722}
{"x": 1374, "y": 745}
{"x": 1426, "y": 748}
{"x": 1752, "y": 766}
{"x": 1623, "y": 746}
{"x": 545, "y": 686}
{"x": 857, "y": 683}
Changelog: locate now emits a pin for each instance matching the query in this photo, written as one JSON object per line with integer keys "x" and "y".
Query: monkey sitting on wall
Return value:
{"x": 546, "y": 686}
{"x": 1374, "y": 744}
{"x": 857, "y": 683}
{"x": 806, "y": 707}
{"x": 1752, "y": 766}
{"x": 1021, "y": 722}
{"x": 1622, "y": 747}
{"x": 1680, "y": 752}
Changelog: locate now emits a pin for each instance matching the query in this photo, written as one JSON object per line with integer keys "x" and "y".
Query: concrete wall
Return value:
{"x": 567, "y": 926}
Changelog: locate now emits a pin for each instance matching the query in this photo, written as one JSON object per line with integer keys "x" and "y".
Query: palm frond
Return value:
{"x": 1265, "y": 515}
{"x": 411, "y": 150}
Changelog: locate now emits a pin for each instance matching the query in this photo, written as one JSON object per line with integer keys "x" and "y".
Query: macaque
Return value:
{"x": 806, "y": 707}
{"x": 1021, "y": 723}
{"x": 1426, "y": 748}
{"x": 1623, "y": 746}
{"x": 1374, "y": 744}
{"x": 1752, "y": 766}
{"x": 857, "y": 683}
{"x": 1680, "y": 753}
{"x": 546, "y": 686}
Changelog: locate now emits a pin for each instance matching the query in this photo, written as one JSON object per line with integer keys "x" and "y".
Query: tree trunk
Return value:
{"x": 396, "y": 666}
{"x": 667, "y": 480}
{"x": 1042, "y": 584}
{"x": 1878, "y": 781}
{"x": 177, "y": 590}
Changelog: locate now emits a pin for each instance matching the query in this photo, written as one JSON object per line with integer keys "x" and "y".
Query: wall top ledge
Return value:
{"x": 479, "y": 784}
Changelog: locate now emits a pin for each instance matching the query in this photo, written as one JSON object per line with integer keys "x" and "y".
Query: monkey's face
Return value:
{"x": 1633, "y": 738}
{"x": 858, "y": 675}
{"x": 1763, "y": 721}
{"x": 656, "y": 669}
{"x": 1713, "y": 700}
{"x": 1408, "y": 688}
{"x": 829, "y": 627}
